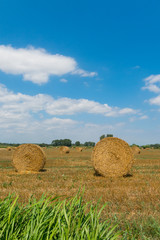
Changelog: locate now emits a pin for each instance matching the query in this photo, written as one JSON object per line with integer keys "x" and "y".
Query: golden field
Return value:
{"x": 131, "y": 198}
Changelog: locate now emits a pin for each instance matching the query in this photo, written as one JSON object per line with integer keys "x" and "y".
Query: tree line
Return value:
{"x": 68, "y": 143}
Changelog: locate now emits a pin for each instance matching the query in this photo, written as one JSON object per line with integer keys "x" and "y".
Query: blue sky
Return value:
{"x": 79, "y": 69}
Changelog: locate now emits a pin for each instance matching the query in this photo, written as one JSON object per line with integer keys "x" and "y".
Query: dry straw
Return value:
{"x": 64, "y": 149}
{"x": 136, "y": 150}
{"x": 29, "y": 158}
{"x": 9, "y": 148}
{"x": 79, "y": 149}
{"x": 112, "y": 157}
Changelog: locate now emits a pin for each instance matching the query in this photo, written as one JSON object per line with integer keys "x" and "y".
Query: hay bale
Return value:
{"x": 29, "y": 158}
{"x": 3, "y": 149}
{"x": 64, "y": 149}
{"x": 14, "y": 148}
{"x": 79, "y": 149}
{"x": 112, "y": 157}
{"x": 136, "y": 150}
{"x": 9, "y": 149}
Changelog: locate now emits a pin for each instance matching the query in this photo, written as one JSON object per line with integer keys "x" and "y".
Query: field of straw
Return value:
{"x": 131, "y": 201}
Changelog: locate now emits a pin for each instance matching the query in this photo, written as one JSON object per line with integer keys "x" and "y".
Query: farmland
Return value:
{"x": 131, "y": 201}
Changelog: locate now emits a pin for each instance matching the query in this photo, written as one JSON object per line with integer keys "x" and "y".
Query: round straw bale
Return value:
{"x": 9, "y": 148}
{"x": 79, "y": 149}
{"x": 136, "y": 150}
{"x": 64, "y": 149}
{"x": 14, "y": 148}
{"x": 3, "y": 149}
{"x": 29, "y": 158}
{"x": 112, "y": 157}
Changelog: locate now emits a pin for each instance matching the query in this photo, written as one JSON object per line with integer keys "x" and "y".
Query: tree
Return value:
{"x": 103, "y": 136}
{"x": 89, "y": 144}
{"x": 77, "y": 143}
{"x": 62, "y": 142}
{"x": 109, "y": 135}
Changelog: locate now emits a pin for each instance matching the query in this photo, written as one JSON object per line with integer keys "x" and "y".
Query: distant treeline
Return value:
{"x": 155, "y": 146}
{"x": 68, "y": 143}
{"x": 54, "y": 143}
{"x": 3, "y": 145}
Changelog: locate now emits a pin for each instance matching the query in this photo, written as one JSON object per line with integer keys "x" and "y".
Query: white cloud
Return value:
{"x": 36, "y": 65}
{"x": 152, "y": 79}
{"x": 143, "y": 117}
{"x": 152, "y": 83}
{"x": 27, "y": 117}
{"x": 84, "y": 73}
{"x": 152, "y": 88}
{"x": 155, "y": 101}
{"x": 63, "y": 80}
{"x": 22, "y": 103}
{"x": 127, "y": 111}
{"x": 68, "y": 106}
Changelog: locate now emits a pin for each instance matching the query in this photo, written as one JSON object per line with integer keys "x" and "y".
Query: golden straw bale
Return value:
{"x": 3, "y": 149}
{"x": 136, "y": 150}
{"x": 79, "y": 149}
{"x": 112, "y": 157}
{"x": 14, "y": 148}
{"x": 29, "y": 158}
{"x": 9, "y": 148}
{"x": 64, "y": 149}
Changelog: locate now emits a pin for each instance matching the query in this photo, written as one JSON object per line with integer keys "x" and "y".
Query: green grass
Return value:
{"x": 140, "y": 229}
{"x": 147, "y": 167}
{"x": 69, "y": 219}
{"x": 49, "y": 219}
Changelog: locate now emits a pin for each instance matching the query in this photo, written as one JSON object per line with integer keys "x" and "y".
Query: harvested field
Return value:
{"x": 129, "y": 199}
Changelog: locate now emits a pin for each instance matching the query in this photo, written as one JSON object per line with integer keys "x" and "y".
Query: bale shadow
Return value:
{"x": 128, "y": 175}
{"x": 43, "y": 170}
{"x": 97, "y": 174}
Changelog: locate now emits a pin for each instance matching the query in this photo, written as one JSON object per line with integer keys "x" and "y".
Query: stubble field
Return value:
{"x": 131, "y": 201}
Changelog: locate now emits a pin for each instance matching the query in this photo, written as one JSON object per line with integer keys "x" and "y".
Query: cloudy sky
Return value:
{"x": 79, "y": 69}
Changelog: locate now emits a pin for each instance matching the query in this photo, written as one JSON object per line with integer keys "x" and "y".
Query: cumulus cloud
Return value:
{"x": 23, "y": 115}
{"x": 152, "y": 83}
{"x": 151, "y": 88}
{"x": 152, "y": 79}
{"x": 36, "y": 65}
{"x": 68, "y": 106}
{"x": 155, "y": 101}
{"x": 22, "y": 104}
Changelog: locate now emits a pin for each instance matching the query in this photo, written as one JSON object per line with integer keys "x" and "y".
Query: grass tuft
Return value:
{"x": 48, "y": 219}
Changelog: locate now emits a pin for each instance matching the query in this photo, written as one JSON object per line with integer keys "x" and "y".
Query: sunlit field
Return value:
{"x": 132, "y": 202}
